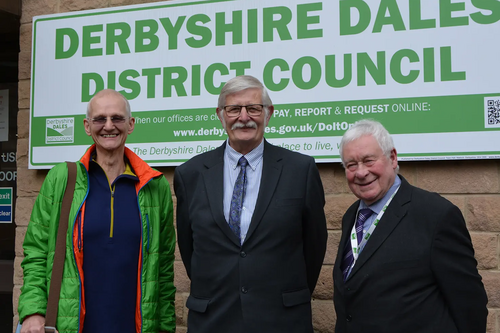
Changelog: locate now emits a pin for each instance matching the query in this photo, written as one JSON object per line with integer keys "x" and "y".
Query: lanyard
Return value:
{"x": 354, "y": 239}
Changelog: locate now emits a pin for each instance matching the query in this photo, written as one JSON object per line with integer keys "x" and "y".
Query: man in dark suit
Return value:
{"x": 415, "y": 271}
{"x": 253, "y": 263}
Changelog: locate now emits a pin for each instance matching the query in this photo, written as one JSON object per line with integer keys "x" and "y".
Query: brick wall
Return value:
{"x": 474, "y": 186}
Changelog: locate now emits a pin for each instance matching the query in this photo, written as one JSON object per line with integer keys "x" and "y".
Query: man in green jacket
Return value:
{"x": 118, "y": 271}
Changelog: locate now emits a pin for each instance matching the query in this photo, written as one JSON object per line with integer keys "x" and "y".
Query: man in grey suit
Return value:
{"x": 251, "y": 225}
{"x": 405, "y": 261}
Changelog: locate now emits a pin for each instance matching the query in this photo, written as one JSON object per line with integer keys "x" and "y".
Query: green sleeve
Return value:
{"x": 39, "y": 243}
{"x": 167, "y": 256}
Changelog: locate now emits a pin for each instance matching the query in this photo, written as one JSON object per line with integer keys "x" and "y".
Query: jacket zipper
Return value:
{"x": 147, "y": 249}
{"x": 79, "y": 219}
{"x": 80, "y": 222}
{"x": 112, "y": 222}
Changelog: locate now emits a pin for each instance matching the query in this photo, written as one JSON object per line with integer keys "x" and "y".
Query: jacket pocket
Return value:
{"x": 296, "y": 297}
{"x": 197, "y": 304}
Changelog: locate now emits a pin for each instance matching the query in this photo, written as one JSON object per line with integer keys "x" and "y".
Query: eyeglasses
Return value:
{"x": 253, "y": 110}
{"x": 102, "y": 120}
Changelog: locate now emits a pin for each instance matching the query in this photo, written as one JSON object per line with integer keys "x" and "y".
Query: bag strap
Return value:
{"x": 60, "y": 252}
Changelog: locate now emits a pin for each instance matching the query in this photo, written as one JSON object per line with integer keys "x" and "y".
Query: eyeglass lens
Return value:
{"x": 102, "y": 120}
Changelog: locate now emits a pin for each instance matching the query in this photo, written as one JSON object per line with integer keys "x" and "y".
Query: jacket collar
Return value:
{"x": 143, "y": 171}
{"x": 395, "y": 212}
{"x": 214, "y": 182}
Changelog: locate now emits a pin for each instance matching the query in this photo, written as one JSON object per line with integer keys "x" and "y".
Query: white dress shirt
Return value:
{"x": 254, "y": 175}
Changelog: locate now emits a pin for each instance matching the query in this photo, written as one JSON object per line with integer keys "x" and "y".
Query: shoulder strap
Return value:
{"x": 60, "y": 252}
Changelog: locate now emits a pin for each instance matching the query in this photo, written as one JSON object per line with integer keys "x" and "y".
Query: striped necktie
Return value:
{"x": 348, "y": 260}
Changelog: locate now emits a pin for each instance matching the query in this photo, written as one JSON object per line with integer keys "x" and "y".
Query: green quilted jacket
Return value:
{"x": 156, "y": 311}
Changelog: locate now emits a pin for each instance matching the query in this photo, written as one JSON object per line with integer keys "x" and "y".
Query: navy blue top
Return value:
{"x": 111, "y": 244}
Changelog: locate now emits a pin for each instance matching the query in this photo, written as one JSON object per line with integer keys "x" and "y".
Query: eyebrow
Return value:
{"x": 113, "y": 115}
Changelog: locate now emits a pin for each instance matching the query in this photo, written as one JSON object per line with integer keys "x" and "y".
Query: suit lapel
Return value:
{"x": 391, "y": 218}
{"x": 214, "y": 187}
{"x": 347, "y": 223}
{"x": 271, "y": 171}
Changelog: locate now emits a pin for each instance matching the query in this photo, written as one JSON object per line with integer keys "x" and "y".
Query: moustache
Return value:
{"x": 249, "y": 124}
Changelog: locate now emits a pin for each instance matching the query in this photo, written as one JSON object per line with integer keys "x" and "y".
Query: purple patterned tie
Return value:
{"x": 237, "y": 199}
{"x": 348, "y": 260}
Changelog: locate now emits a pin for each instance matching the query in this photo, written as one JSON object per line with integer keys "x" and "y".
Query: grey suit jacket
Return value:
{"x": 265, "y": 284}
{"x": 416, "y": 274}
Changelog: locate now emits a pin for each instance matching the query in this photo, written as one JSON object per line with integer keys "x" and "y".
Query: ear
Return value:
{"x": 219, "y": 114}
{"x": 271, "y": 111}
{"x": 394, "y": 158}
{"x": 86, "y": 124}
{"x": 221, "y": 118}
{"x": 131, "y": 125}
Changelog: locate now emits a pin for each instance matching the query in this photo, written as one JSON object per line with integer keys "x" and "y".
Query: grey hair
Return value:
{"x": 368, "y": 127}
{"x": 109, "y": 92}
{"x": 240, "y": 83}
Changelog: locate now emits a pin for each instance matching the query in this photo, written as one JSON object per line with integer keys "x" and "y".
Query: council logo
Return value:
{"x": 60, "y": 130}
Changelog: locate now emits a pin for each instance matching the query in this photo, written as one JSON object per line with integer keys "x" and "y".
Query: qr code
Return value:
{"x": 492, "y": 111}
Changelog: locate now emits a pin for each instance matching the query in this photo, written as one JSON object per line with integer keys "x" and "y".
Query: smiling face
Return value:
{"x": 109, "y": 137}
{"x": 370, "y": 173}
{"x": 245, "y": 132}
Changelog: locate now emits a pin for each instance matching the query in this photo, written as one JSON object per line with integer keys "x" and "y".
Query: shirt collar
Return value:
{"x": 377, "y": 206}
{"x": 254, "y": 157}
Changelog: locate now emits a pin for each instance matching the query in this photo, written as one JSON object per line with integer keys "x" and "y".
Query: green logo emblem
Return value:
{"x": 60, "y": 130}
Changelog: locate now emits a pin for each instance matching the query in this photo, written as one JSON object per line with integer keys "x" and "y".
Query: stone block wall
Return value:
{"x": 474, "y": 186}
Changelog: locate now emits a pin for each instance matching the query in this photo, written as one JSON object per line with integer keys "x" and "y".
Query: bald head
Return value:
{"x": 108, "y": 92}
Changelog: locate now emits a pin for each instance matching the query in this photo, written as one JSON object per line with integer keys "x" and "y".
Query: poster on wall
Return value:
{"x": 4, "y": 115}
{"x": 428, "y": 70}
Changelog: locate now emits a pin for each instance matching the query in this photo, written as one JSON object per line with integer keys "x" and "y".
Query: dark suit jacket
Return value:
{"x": 416, "y": 274}
{"x": 265, "y": 284}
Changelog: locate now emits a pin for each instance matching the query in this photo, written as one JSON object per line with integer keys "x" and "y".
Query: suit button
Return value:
{"x": 243, "y": 254}
{"x": 348, "y": 318}
{"x": 244, "y": 290}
